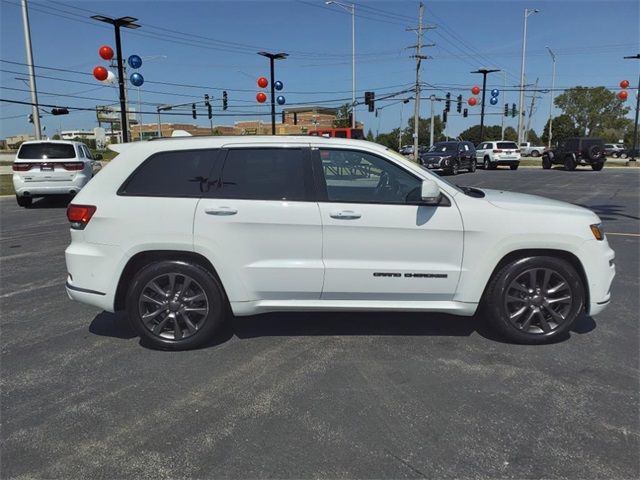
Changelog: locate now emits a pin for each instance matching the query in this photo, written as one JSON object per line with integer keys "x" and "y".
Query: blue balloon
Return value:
{"x": 134, "y": 61}
{"x": 280, "y": 100}
{"x": 136, "y": 79}
{"x": 493, "y": 100}
{"x": 278, "y": 85}
{"x": 495, "y": 92}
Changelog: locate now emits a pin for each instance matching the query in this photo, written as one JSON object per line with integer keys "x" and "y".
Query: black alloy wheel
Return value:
{"x": 473, "y": 166}
{"x": 175, "y": 305}
{"x": 455, "y": 167}
{"x": 535, "y": 299}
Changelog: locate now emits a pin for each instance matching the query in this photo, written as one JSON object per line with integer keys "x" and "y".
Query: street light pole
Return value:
{"x": 32, "y": 75}
{"x": 553, "y": 86}
{"x": 635, "y": 126}
{"x": 272, "y": 57}
{"x": 527, "y": 12}
{"x": 126, "y": 22}
{"x": 484, "y": 72}
{"x": 352, "y": 9}
{"x": 431, "y": 132}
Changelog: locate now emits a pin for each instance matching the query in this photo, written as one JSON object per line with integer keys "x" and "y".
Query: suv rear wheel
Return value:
{"x": 175, "y": 305}
{"x": 597, "y": 166}
{"x": 534, "y": 300}
{"x": 24, "y": 201}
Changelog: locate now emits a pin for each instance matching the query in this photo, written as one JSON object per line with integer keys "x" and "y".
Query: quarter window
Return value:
{"x": 263, "y": 174}
{"x": 182, "y": 173}
{"x": 359, "y": 177}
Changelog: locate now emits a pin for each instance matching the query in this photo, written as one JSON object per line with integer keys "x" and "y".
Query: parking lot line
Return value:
{"x": 624, "y": 234}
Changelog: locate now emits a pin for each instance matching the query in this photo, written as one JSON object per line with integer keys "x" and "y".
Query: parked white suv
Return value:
{"x": 178, "y": 231}
{"x": 52, "y": 167}
{"x": 492, "y": 154}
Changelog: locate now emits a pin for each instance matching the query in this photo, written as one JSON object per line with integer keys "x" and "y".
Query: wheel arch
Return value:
{"x": 537, "y": 252}
{"x": 142, "y": 259}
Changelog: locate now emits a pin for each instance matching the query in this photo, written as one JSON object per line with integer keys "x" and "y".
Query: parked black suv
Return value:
{"x": 574, "y": 151}
{"x": 450, "y": 157}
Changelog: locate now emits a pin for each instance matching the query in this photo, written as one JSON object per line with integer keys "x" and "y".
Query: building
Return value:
{"x": 14, "y": 141}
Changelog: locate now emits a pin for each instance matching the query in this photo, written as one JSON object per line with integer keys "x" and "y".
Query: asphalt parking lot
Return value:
{"x": 319, "y": 395}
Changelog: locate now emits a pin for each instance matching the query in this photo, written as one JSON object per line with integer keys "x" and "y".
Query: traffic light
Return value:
{"x": 444, "y": 116}
{"x": 465, "y": 114}
{"x": 369, "y": 99}
{"x": 224, "y": 100}
{"x": 193, "y": 111}
{"x": 208, "y": 104}
{"x": 459, "y": 106}
{"x": 60, "y": 111}
{"x": 447, "y": 104}
{"x": 506, "y": 109}
{"x": 31, "y": 118}
{"x": 513, "y": 110}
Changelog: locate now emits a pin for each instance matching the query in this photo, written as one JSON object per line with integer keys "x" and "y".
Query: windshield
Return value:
{"x": 443, "y": 147}
{"x": 46, "y": 150}
{"x": 404, "y": 160}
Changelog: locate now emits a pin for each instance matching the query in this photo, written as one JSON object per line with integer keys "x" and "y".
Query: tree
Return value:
{"x": 563, "y": 127}
{"x": 343, "y": 117}
{"x": 389, "y": 140}
{"x": 510, "y": 134}
{"x": 592, "y": 109}
{"x": 55, "y": 137}
{"x": 532, "y": 137}
{"x": 424, "y": 130}
{"x": 370, "y": 136}
{"x": 472, "y": 134}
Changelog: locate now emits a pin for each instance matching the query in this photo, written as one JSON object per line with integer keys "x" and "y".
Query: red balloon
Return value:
{"x": 100, "y": 73}
{"x": 622, "y": 95}
{"x": 262, "y": 82}
{"x": 472, "y": 101}
{"x": 106, "y": 52}
{"x": 624, "y": 84}
{"x": 475, "y": 90}
{"x": 261, "y": 97}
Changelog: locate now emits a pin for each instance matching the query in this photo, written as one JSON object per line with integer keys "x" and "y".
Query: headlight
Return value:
{"x": 597, "y": 231}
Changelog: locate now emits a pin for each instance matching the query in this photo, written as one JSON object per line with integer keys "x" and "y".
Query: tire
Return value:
{"x": 24, "y": 201}
{"x": 534, "y": 300}
{"x": 623, "y": 155}
{"x": 535, "y": 153}
{"x": 486, "y": 163}
{"x": 546, "y": 162}
{"x": 473, "y": 166}
{"x": 514, "y": 166}
{"x": 594, "y": 152}
{"x": 569, "y": 163}
{"x": 597, "y": 166}
{"x": 615, "y": 155}
{"x": 171, "y": 326}
{"x": 455, "y": 168}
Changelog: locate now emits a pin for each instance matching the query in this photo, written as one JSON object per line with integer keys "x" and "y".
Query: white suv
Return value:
{"x": 178, "y": 231}
{"x": 52, "y": 167}
{"x": 492, "y": 154}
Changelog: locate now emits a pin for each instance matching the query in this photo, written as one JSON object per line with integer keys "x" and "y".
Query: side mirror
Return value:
{"x": 97, "y": 156}
{"x": 430, "y": 192}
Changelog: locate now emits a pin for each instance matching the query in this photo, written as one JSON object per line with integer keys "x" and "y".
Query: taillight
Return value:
{"x": 497, "y": 151}
{"x": 79, "y": 215}
{"x": 21, "y": 167}
{"x": 73, "y": 165}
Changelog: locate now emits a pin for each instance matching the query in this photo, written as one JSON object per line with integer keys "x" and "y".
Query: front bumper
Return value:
{"x": 598, "y": 262}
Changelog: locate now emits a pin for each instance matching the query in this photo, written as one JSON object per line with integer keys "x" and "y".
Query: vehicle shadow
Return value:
{"x": 609, "y": 212}
{"x": 57, "y": 201}
{"x": 304, "y": 324}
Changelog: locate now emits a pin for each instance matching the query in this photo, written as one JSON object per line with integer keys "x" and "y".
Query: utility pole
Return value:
{"x": 553, "y": 88}
{"x": 431, "y": 132}
{"x": 504, "y": 92}
{"x": 635, "y": 126}
{"x": 533, "y": 102}
{"x": 484, "y": 72}
{"x": 32, "y": 75}
{"x": 419, "y": 57}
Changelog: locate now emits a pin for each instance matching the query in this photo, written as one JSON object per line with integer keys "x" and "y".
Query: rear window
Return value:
{"x": 32, "y": 151}
{"x": 507, "y": 145}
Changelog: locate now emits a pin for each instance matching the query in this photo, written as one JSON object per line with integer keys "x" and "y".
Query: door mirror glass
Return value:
{"x": 430, "y": 192}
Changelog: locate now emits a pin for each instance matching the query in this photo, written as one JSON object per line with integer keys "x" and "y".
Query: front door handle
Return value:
{"x": 345, "y": 215}
{"x": 220, "y": 211}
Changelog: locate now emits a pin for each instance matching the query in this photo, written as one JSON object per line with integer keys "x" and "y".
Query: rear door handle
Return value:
{"x": 220, "y": 211}
{"x": 345, "y": 215}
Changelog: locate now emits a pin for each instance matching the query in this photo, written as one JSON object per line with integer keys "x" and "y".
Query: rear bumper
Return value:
{"x": 49, "y": 187}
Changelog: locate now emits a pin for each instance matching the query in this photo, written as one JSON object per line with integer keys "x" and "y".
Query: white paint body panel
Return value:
{"x": 274, "y": 255}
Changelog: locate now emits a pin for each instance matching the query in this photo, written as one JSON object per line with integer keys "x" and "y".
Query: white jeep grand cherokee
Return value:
{"x": 178, "y": 231}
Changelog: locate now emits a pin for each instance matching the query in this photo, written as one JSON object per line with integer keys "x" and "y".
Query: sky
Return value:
{"x": 194, "y": 48}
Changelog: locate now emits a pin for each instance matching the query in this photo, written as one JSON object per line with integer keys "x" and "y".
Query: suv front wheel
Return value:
{"x": 534, "y": 300}
{"x": 569, "y": 163}
{"x": 175, "y": 305}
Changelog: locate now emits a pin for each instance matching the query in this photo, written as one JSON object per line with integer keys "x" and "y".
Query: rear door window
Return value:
{"x": 264, "y": 174}
{"x": 50, "y": 151}
{"x": 181, "y": 173}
